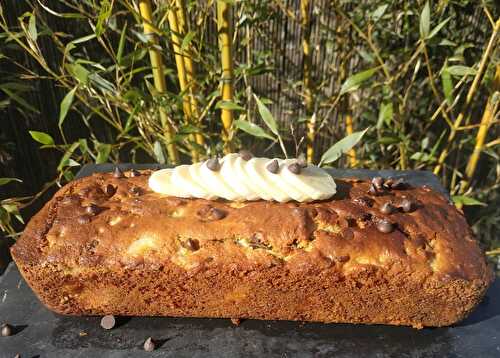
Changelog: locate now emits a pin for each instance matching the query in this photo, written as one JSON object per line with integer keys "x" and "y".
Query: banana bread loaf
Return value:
{"x": 107, "y": 244}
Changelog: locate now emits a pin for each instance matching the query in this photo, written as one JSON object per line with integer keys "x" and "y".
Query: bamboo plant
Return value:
{"x": 305, "y": 25}
{"x": 224, "y": 27}
{"x": 159, "y": 76}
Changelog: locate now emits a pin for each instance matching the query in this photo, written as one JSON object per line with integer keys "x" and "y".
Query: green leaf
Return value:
{"x": 353, "y": 82}
{"x": 186, "y": 41}
{"x": 103, "y": 151}
{"x": 422, "y": 157}
{"x": 466, "y": 200}
{"x": 447, "y": 84}
{"x": 64, "y": 162}
{"x": 438, "y": 28}
{"x": 19, "y": 100}
{"x": 121, "y": 44}
{"x": 385, "y": 114}
{"x": 104, "y": 15}
{"x": 4, "y": 181}
{"x": 84, "y": 147}
{"x": 379, "y": 12}
{"x": 461, "y": 71}
{"x": 252, "y": 129}
{"x": 158, "y": 152}
{"x": 79, "y": 72}
{"x": 42, "y": 137}
{"x": 32, "y": 27}
{"x": 66, "y": 104}
{"x": 267, "y": 117}
{"x": 83, "y": 39}
{"x": 425, "y": 21}
{"x": 341, "y": 147}
{"x": 224, "y": 104}
{"x": 389, "y": 140}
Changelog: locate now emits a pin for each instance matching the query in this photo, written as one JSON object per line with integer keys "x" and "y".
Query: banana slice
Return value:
{"x": 181, "y": 178}
{"x": 160, "y": 182}
{"x": 211, "y": 181}
{"x": 232, "y": 170}
{"x": 314, "y": 182}
{"x": 260, "y": 177}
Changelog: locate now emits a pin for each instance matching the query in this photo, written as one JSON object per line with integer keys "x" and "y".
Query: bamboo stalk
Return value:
{"x": 353, "y": 160}
{"x": 308, "y": 92}
{"x": 472, "y": 90}
{"x": 224, "y": 27}
{"x": 190, "y": 70}
{"x": 159, "y": 76}
{"x": 181, "y": 73}
{"x": 486, "y": 122}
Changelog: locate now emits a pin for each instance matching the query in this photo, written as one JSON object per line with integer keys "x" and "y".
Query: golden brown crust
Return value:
{"x": 101, "y": 235}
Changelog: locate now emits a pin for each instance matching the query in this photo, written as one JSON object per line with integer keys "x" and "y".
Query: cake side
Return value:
{"x": 107, "y": 245}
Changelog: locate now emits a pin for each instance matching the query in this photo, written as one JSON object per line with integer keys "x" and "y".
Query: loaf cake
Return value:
{"x": 377, "y": 252}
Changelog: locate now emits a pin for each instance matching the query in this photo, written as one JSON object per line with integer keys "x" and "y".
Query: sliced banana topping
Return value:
{"x": 238, "y": 179}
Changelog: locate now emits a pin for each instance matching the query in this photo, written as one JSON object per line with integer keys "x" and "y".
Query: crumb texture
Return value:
{"x": 107, "y": 244}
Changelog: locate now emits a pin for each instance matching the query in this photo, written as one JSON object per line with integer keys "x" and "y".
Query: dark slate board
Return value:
{"x": 41, "y": 333}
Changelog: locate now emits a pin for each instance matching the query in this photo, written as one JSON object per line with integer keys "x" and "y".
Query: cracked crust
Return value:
{"x": 323, "y": 261}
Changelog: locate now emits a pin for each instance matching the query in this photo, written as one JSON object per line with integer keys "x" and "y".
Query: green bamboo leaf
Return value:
{"x": 65, "y": 160}
{"x": 447, "y": 83}
{"x": 42, "y": 137}
{"x": 353, "y": 82}
{"x": 379, "y": 12}
{"x": 83, "y": 39}
{"x": 425, "y": 21}
{"x": 121, "y": 44}
{"x": 103, "y": 151}
{"x": 19, "y": 100}
{"x": 32, "y": 28}
{"x": 66, "y": 104}
{"x": 79, "y": 72}
{"x": 225, "y": 104}
{"x": 186, "y": 41}
{"x": 385, "y": 114}
{"x": 466, "y": 200}
{"x": 159, "y": 153}
{"x": 104, "y": 15}
{"x": 461, "y": 71}
{"x": 341, "y": 147}
{"x": 4, "y": 181}
{"x": 438, "y": 28}
{"x": 267, "y": 117}
{"x": 252, "y": 129}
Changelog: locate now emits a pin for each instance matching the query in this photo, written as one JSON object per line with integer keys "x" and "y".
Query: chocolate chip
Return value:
{"x": 83, "y": 219}
{"x": 149, "y": 345}
{"x": 209, "y": 213}
{"x": 348, "y": 234}
{"x": 108, "y": 322}
{"x": 245, "y": 154}
{"x": 273, "y": 166}
{"x": 256, "y": 241}
{"x": 6, "y": 330}
{"x": 213, "y": 164}
{"x": 387, "y": 208}
{"x": 191, "y": 244}
{"x": 302, "y": 160}
{"x": 385, "y": 226}
{"x": 378, "y": 182}
{"x": 364, "y": 201}
{"x": 407, "y": 205}
{"x": 217, "y": 214}
{"x": 93, "y": 209}
{"x": 398, "y": 184}
{"x": 295, "y": 168}
{"x": 135, "y": 173}
{"x": 373, "y": 190}
{"x": 118, "y": 173}
{"x": 343, "y": 258}
{"x": 110, "y": 190}
{"x": 135, "y": 190}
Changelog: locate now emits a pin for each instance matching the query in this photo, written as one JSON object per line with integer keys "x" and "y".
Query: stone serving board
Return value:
{"x": 41, "y": 333}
